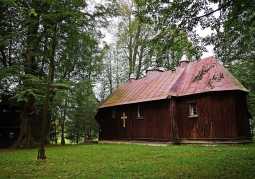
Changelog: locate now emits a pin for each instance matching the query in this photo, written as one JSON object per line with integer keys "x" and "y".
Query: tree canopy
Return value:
{"x": 136, "y": 42}
{"x": 36, "y": 35}
{"x": 232, "y": 23}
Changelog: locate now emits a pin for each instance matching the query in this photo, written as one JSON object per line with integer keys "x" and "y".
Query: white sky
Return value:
{"x": 109, "y": 38}
{"x": 209, "y": 53}
{"x": 204, "y": 33}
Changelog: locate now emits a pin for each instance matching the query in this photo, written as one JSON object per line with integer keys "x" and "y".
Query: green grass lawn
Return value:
{"x": 131, "y": 161}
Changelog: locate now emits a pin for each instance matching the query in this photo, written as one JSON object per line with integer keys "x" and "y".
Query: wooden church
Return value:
{"x": 199, "y": 102}
{"x": 9, "y": 121}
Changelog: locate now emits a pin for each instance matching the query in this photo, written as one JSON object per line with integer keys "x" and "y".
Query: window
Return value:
{"x": 193, "y": 109}
{"x": 140, "y": 110}
{"x": 113, "y": 112}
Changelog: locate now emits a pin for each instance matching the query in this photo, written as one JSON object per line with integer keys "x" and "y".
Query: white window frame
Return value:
{"x": 193, "y": 109}
{"x": 140, "y": 110}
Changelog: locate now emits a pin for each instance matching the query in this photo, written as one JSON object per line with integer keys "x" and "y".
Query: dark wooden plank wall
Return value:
{"x": 9, "y": 123}
{"x": 107, "y": 125}
{"x": 9, "y": 119}
{"x": 155, "y": 125}
{"x": 242, "y": 116}
{"x": 221, "y": 115}
{"x": 174, "y": 125}
{"x": 216, "y": 116}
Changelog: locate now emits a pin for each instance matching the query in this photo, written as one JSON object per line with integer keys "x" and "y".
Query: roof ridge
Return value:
{"x": 184, "y": 81}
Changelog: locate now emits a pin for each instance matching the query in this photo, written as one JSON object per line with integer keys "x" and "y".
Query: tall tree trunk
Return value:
{"x": 130, "y": 47}
{"x": 85, "y": 121}
{"x": 63, "y": 132}
{"x": 136, "y": 45}
{"x": 29, "y": 136}
{"x": 140, "y": 57}
{"x": 77, "y": 130}
{"x": 63, "y": 126}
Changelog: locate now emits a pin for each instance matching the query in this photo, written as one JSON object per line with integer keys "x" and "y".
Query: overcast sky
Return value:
{"x": 209, "y": 48}
{"x": 203, "y": 33}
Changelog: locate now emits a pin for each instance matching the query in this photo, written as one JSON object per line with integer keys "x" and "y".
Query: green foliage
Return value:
{"x": 64, "y": 35}
{"x": 9, "y": 71}
{"x": 131, "y": 161}
{"x": 135, "y": 44}
{"x": 180, "y": 15}
{"x": 32, "y": 12}
{"x": 169, "y": 45}
{"x": 32, "y": 143}
{"x": 23, "y": 96}
{"x": 24, "y": 90}
{"x": 81, "y": 114}
{"x": 232, "y": 24}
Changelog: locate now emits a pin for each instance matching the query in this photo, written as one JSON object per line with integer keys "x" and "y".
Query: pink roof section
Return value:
{"x": 202, "y": 76}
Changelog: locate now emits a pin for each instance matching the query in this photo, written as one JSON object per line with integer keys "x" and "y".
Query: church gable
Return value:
{"x": 206, "y": 75}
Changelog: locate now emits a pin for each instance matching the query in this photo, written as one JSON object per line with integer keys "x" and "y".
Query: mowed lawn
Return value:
{"x": 131, "y": 161}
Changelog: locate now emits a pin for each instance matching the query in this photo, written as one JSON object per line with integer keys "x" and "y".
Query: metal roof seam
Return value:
{"x": 179, "y": 83}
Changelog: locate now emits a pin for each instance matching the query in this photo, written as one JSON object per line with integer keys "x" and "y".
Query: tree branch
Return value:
{"x": 51, "y": 86}
{"x": 225, "y": 5}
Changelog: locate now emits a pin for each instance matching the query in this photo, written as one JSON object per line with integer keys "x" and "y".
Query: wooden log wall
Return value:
{"x": 221, "y": 115}
{"x": 155, "y": 125}
{"x": 9, "y": 123}
{"x": 216, "y": 118}
{"x": 242, "y": 116}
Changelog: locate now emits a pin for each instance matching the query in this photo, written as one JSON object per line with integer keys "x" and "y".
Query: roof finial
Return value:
{"x": 184, "y": 57}
{"x": 153, "y": 63}
{"x": 132, "y": 78}
{"x": 184, "y": 60}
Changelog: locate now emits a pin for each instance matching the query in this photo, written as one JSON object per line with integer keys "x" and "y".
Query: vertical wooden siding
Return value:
{"x": 216, "y": 116}
{"x": 155, "y": 124}
{"x": 221, "y": 115}
{"x": 242, "y": 116}
{"x": 9, "y": 123}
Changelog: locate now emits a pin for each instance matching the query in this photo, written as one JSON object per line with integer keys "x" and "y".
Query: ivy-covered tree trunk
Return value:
{"x": 28, "y": 130}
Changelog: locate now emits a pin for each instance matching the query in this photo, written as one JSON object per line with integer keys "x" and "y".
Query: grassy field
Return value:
{"x": 131, "y": 161}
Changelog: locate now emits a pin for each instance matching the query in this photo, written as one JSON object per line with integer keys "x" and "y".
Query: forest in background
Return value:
{"x": 36, "y": 35}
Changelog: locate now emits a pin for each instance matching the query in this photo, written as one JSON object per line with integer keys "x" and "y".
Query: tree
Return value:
{"x": 170, "y": 44}
{"x": 231, "y": 22}
{"x": 133, "y": 39}
{"x": 80, "y": 119}
{"x": 134, "y": 45}
{"x": 58, "y": 34}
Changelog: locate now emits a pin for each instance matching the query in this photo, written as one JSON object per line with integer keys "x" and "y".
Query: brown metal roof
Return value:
{"x": 201, "y": 76}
